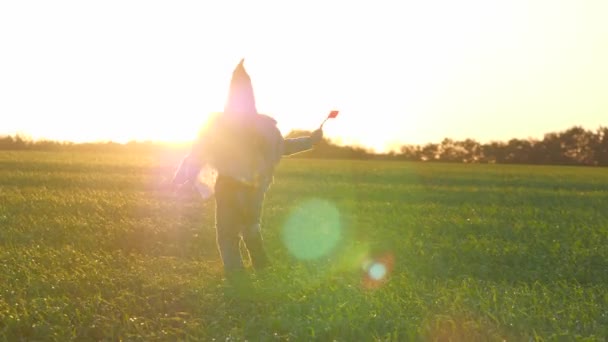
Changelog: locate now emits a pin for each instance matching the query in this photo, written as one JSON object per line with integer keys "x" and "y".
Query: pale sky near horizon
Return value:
{"x": 400, "y": 72}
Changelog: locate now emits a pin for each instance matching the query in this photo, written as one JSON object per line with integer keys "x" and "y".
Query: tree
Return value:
{"x": 600, "y": 148}
{"x": 430, "y": 152}
{"x": 451, "y": 151}
{"x": 518, "y": 151}
{"x": 411, "y": 153}
{"x": 472, "y": 151}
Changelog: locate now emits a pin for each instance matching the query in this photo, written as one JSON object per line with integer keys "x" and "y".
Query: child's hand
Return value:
{"x": 316, "y": 136}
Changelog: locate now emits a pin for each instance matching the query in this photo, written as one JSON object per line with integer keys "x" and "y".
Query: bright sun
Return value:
{"x": 415, "y": 73}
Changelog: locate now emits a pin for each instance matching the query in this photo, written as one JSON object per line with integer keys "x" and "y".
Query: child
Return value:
{"x": 244, "y": 147}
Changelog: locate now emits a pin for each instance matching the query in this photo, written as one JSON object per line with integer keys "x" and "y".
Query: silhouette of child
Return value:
{"x": 244, "y": 147}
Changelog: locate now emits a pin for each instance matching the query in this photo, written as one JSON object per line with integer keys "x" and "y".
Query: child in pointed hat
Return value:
{"x": 238, "y": 151}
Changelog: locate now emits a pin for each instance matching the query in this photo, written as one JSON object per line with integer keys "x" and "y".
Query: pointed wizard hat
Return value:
{"x": 241, "y": 100}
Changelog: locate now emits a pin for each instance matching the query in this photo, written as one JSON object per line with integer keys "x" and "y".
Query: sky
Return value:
{"x": 400, "y": 72}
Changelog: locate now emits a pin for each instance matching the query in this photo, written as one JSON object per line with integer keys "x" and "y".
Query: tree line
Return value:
{"x": 19, "y": 142}
{"x": 574, "y": 146}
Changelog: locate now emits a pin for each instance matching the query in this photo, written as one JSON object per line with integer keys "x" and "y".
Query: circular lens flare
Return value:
{"x": 376, "y": 270}
{"x": 312, "y": 230}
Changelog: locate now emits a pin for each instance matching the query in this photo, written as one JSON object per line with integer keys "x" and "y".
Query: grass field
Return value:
{"x": 91, "y": 248}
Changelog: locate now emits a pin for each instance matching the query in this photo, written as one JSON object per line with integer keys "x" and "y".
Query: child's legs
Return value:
{"x": 228, "y": 223}
{"x": 255, "y": 245}
{"x": 252, "y": 233}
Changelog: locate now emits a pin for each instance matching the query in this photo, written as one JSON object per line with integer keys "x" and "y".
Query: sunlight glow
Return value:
{"x": 399, "y": 73}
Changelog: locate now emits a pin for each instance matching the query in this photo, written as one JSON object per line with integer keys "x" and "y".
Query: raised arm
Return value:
{"x": 301, "y": 144}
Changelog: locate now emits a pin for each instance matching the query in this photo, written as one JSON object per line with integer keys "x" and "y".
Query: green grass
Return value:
{"x": 91, "y": 248}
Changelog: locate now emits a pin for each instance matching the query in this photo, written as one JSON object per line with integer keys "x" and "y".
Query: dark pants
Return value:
{"x": 238, "y": 213}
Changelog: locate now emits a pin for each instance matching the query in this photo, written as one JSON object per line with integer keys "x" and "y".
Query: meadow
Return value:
{"x": 93, "y": 247}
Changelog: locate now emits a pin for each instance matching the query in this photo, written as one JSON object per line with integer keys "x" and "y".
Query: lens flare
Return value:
{"x": 312, "y": 229}
{"x": 377, "y": 270}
